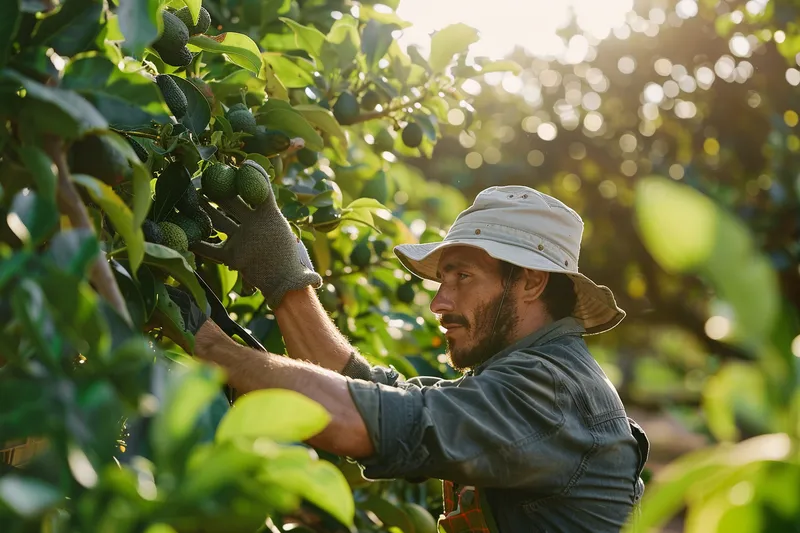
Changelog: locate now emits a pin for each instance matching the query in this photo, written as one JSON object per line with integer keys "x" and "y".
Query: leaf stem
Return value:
{"x": 152, "y": 136}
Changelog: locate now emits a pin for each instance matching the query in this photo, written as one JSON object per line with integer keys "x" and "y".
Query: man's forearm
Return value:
{"x": 250, "y": 370}
{"x": 309, "y": 333}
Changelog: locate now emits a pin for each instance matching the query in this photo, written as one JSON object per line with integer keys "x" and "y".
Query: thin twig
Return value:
{"x": 152, "y": 136}
{"x": 100, "y": 275}
{"x": 364, "y": 117}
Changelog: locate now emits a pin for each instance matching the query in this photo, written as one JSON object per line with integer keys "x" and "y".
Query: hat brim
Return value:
{"x": 595, "y": 308}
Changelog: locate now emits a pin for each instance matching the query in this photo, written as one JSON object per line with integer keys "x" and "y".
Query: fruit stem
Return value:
{"x": 100, "y": 275}
{"x": 152, "y": 136}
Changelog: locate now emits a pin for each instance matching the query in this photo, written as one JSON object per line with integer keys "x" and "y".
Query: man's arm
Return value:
{"x": 309, "y": 333}
{"x": 250, "y": 370}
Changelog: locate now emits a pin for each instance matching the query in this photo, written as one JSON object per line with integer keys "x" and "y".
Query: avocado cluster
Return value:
{"x": 250, "y": 181}
{"x": 178, "y": 27}
{"x": 186, "y": 225}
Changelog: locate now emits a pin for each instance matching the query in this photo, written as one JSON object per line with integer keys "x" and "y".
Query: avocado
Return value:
{"x": 361, "y": 254}
{"x": 267, "y": 142}
{"x": 190, "y": 201}
{"x": 174, "y": 236}
{"x": 346, "y": 108}
{"x": 384, "y": 142}
{"x": 171, "y": 45}
{"x": 307, "y": 157}
{"x": 380, "y": 246}
{"x": 173, "y": 96}
{"x": 203, "y": 221}
{"x": 412, "y": 135}
{"x": 405, "y": 292}
{"x": 203, "y": 21}
{"x": 98, "y": 156}
{"x": 370, "y": 100}
{"x": 190, "y": 227}
{"x": 252, "y": 183}
{"x": 152, "y": 232}
{"x": 326, "y": 218}
{"x": 241, "y": 119}
{"x": 219, "y": 182}
{"x": 141, "y": 151}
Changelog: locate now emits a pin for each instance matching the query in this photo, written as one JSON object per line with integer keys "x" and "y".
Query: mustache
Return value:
{"x": 452, "y": 319}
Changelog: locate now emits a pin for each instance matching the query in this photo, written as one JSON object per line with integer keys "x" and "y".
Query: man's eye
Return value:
{"x": 462, "y": 276}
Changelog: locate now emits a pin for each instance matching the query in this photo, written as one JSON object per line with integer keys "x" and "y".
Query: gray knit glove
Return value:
{"x": 261, "y": 246}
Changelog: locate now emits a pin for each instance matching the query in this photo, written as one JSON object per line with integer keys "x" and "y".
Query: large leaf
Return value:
{"x": 323, "y": 119}
{"x": 307, "y": 38}
{"x": 30, "y": 308}
{"x": 138, "y": 20}
{"x": 198, "y": 112}
{"x": 81, "y": 116}
{"x": 279, "y": 115}
{"x": 277, "y": 414}
{"x": 10, "y": 16}
{"x": 72, "y": 28}
{"x": 176, "y": 265}
{"x": 501, "y": 65}
{"x": 294, "y": 72}
{"x": 74, "y": 250}
{"x": 41, "y": 168}
{"x": 119, "y": 213}
{"x": 125, "y": 99}
{"x": 239, "y": 48}
{"x": 449, "y": 41}
{"x": 170, "y": 187}
{"x": 686, "y": 232}
{"x": 342, "y": 44}
{"x": 376, "y": 41}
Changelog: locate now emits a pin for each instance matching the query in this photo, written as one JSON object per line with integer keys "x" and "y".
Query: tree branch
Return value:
{"x": 70, "y": 203}
{"x": 364, "y": 117}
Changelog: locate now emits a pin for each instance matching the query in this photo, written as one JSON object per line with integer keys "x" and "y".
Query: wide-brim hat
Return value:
{"x": 528, "y": 229}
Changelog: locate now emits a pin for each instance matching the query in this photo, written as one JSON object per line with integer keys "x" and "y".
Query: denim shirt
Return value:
{"x": 538, "y": 428}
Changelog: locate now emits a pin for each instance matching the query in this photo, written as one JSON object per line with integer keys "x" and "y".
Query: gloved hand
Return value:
{"x": 261, "y": 246}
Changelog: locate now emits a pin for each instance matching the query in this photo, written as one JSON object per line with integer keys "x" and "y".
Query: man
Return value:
{"x": 532, "y": 438}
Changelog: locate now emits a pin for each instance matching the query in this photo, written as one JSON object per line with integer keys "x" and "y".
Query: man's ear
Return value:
{"x": 534, "y": 283}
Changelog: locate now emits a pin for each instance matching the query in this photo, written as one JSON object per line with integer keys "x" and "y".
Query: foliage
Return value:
{"x": 112, "y": 112}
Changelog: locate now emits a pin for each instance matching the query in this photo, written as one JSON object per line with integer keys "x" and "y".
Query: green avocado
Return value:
{"x": 412, "y": 135}
{"x": 98, "y": 156}
{"x": 346, "y": 108}
{"x": 190, "y": 227}
{"x": 152, "y": 232}
{"x": 203, "y": 21}
{"x": 384, "y": 142}
{"x": 203, "y": 221}
{"x": 190, "y": 201}
{"x": 219, "y": 182}
{"x": 307, "y": 157}
{"x": 361, "y": 254}
{"x": 370, "y": 100}
{"x": 174, "y": 236}
{"x": 405, "y": 292}
{"x": 241, "y": 119}
{"x": 326, "y": 218}
{"x": 141, "y": 151}
{"x": 252, "y": 183}
{"x": 171, "y": 45}
{"x": 173, "y": 96}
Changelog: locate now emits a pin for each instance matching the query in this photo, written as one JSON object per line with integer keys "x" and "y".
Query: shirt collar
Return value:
{"x": 543, "y": 335}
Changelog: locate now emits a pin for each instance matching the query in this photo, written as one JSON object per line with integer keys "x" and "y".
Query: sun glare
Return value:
{"x": 505, "y": 24}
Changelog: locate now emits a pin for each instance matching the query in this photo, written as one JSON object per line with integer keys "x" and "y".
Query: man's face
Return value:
{"x": 469, "y": 306}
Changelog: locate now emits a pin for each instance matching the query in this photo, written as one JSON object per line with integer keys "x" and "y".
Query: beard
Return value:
{"x": 483, "y": 344}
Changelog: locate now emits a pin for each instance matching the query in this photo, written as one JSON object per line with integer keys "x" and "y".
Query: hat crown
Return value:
{"x": 535, "y": 216}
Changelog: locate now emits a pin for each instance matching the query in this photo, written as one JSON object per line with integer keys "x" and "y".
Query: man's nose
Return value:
{"x": 442, "y": 302}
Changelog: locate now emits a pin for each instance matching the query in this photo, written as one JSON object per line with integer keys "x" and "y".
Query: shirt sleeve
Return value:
{"x": 499, "y": 428}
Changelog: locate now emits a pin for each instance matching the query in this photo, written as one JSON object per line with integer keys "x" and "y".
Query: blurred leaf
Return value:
{"x": 278, "y": 115}
{"x": 30, "y": 308}
{"x": 167, "y": 315}
{"x": 501, "y": 65}
{"x": 211, "y": 468}
{"x": 308, "y": 38}
{"x": 376, "y": 41}
{"x": 198, "y": 112}
{"x": 80, "y": 116}
{"x": 28, "y": 496}
{"x": 294, "y": 72}
{"x": 74, "y": 250}
{"x": 10, "y": 16}
{"x": 239, "y": 48}
{"x": 388, "y": 513}
{"x": 138, "y": 20}
{"x": 322, "y": 119}
{"x": 342, "y": 43}
{"x": 45, "y": 212}
{"x": 31, "y": 219}
{"x": 278, "y": 414}
{"x": 175, "y": 264}
{"x": 449, "y": 41}
{"x": 124, "y": 99}
{"x": 194, "y": 8}
{"x": 71, "y": 29}
{"x": 119, "y": 213}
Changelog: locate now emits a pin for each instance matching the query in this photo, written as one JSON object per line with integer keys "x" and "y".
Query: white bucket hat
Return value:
{"x": 530, "y": 230}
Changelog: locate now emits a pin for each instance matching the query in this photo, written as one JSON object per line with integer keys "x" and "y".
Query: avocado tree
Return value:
{"x": 121, "y": 121}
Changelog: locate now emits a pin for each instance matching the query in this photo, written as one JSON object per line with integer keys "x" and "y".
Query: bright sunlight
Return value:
{"x": 504, "y": 24}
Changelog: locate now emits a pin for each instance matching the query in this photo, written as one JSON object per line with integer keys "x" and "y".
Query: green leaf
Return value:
{"x": 502, "y": 65}
{"x": 446, "y": 43}
{"x": 278, "y": 414}
{"x": 142, "y": 198}
{"x": 176, "y": 265}
{"x": 30, "y": 308}
{"x": 167, "y": 314}
{"x": 125, "y": 99}
{"x": 194, "y": 8}
{"x": 279, "y": 115}
{"x": 308, "y": 38}
{"x": 388, "y": 513}
{"x": 323, "y": 119}
{"x": 376, "y": 41}
{"x": 74, "y": 250}
{"x": 686, "y": 232}
{"x": 10, "y": 17}
{"x": 238, "y": 48}
{"x": 190, "y": 392}
{"x": 41, "y": 168}
{"x": 318, "y": 481}
{"x": 171, "y": 185}
{"x": 342, "y": 44}
{"x": 198, "y": 112}
{"x": 294, "y": 72}
{"x": 31, "y": 218}
{"x": 211, "y": 468}
{"x": 119, "y": 213}
{"x": 28, "y": 497}
{"x": 274, "y": 86}
{"x": 72, "y": 29}
{"x": 138, "y": 21}
{"x": 366, "y": 203}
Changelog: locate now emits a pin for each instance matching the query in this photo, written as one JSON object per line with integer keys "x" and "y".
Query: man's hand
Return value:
{"x": 261, "y": 246}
